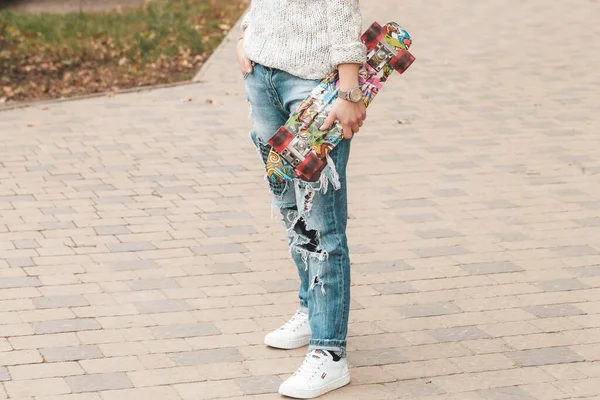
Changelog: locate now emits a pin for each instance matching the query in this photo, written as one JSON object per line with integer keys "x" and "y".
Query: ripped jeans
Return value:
{"x": 315, "y": 214}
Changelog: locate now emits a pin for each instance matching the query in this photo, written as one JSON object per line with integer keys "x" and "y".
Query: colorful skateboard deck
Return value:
{"x": 299, "y": 148}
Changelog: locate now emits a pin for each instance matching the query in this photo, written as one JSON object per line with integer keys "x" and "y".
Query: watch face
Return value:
{"x": 356, "y": 95}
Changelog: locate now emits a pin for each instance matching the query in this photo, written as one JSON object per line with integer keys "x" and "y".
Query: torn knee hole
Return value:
{"x": 311, "y": 236}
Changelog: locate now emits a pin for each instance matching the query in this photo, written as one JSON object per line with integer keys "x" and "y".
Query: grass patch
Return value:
{"x": 45, "y": 56}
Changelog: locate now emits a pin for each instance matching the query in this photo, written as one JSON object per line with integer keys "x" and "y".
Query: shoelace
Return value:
{"x": 295, "y": 322}
{"x": 311, "y": 365}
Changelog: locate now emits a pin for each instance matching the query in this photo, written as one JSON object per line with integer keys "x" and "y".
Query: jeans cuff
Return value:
{"x": 337, "y": 346}
{"x": 303, "y": 308}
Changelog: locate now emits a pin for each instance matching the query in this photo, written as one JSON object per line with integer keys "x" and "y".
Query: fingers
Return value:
{"x": 328, "y": 121}
{"x": 245, "y": 66}
{"x": 348, "y": 131}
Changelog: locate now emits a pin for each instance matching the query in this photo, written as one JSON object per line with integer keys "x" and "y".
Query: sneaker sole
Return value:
{"x": 287, "y": 344}
{"x": 311, "y": 394}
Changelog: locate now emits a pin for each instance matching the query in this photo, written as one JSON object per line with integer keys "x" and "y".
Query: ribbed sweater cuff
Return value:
{"x": 349, "y": 53}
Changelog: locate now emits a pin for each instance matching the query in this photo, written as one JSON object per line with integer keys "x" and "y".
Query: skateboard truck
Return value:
{"x": 380, "y": 52}
{"x": 298, "y": 152}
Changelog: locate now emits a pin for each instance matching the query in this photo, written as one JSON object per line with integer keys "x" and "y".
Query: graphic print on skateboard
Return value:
{"x": 299, "y": 148}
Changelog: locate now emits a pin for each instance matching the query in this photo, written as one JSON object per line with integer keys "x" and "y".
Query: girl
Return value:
{"x": 287, "y": 47}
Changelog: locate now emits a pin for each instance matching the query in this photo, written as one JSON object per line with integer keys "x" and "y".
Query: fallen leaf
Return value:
{"x": 32, "y": 124}
{"x": 210, "y": 101}
{"x": 404, "y": 122}
{"x": 187, "y": 100}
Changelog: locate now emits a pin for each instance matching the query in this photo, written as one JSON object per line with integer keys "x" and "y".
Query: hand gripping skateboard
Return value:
{"x": 299, "y": 148}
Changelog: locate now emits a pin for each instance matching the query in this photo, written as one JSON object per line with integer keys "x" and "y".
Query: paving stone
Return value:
{"x": 227, "y": 215}
{"x": 212, "y": 356}
{"x": 394, "y": 288}
{"x": 288, "y": 285}
{"x": 587, "y": 271}
{"x": 363, "y": 358}
{"x": 58, "y": 225}
{"x": 75, "y": 353}
{"x": 255, "y": 385}
{"x": 133, "y": 265}
{"x": 574, "y": 251}
{"x": 512, "y": 237}
{"x": 162, "y": 306}
{"x": 228, "y": 268}
{"x": 26, "y": 244}
{"x": 25, "y": 389}
{"x": 551, "y": 355}
{"x": 410, "y": 203}
{"x": 228, "y": 231}
{"x": 505, "y": 393}
{"x": 208, "y": 390}
{"x": 112, "y": 230}
{"x": 500, "y": 204}
{"x": 449, "y": 193}
{"x": 558, "y": 285}
{"x": 381, "y": 267}
{"x": 98, "y": 382}
{"x": 150, "y": 284}
{"x": 184, "y": 330}
{"x": 416, "y": 218}
{"x": 157, "y": 392}
{"x": 458, "y": 334}
{"x": 67, "y": 325}
{"x": 19, "y": 281}
{"x": 4, "y": 375}
{"x": 491, "y": 268}
{"x": 442, "y": 251}
{"x": 20, "y": 357}
{"x": 45, "y": 302}
{"x": 428, "y": 310}
{"x": 19, "y": 262}
{"x": 592, "y": 222}
{"x": 414, "y": 389}
{"x": 220, "y": 249}
{"x": 554, "y": 310}
{"x": 437, "y": 233}
{"x": 130, "y": 246}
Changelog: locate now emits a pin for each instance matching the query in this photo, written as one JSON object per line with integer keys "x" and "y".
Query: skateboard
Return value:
{"x": 299, "y": 149}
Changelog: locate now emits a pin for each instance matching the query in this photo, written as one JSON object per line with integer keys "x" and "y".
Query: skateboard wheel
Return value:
{"x": 281, "y": 139}
{"x": 373, "y": 35}
{"x": 310, "y": 168}
{"x": 402, "y": 61}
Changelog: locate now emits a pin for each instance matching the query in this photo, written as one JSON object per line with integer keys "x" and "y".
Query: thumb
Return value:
{"x": 248, "y": 65}
{"x": 328, "y": 121}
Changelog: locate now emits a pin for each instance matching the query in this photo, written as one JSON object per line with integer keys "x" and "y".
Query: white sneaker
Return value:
{"x": 293, "y": 334}
{"x": 318, "y": 375}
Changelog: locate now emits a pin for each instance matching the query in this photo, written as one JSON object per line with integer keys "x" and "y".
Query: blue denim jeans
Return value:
{"x": 315, "y": 214}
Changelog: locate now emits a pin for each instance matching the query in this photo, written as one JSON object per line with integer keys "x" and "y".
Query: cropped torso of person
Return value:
{"x": 306, "y": 38}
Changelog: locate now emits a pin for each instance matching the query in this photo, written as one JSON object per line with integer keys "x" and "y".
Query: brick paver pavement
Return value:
{"x": 139, "y": 259}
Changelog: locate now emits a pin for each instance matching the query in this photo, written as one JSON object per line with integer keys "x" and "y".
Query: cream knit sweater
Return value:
{"x": 306, "y": 38}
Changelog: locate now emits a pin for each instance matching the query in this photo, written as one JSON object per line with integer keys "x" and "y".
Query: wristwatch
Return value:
{"x": 354, "y": 95}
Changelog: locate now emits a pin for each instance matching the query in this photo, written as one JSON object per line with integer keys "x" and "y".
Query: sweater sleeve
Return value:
{"x": 344, "y": 26}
